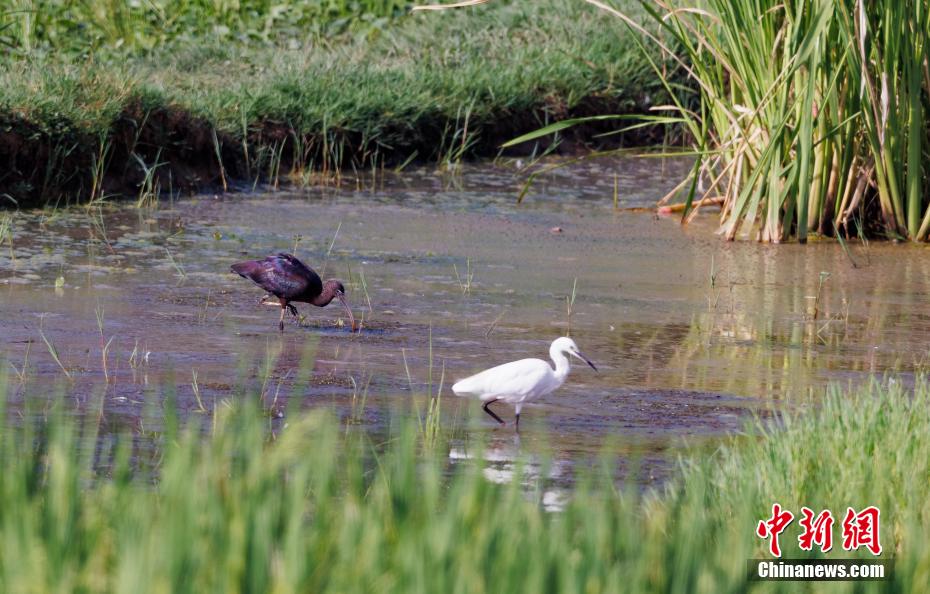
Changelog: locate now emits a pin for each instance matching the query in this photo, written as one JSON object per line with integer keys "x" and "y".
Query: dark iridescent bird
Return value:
{"x": 290, "y": 280}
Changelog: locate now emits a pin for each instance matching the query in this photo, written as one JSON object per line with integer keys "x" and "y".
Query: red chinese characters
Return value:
{"x": 774, "y": 526}
{"x": 861, "y": 529}
{"x": 817, "y": 530}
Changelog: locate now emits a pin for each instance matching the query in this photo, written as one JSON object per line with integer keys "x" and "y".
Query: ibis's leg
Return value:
{"x": 281, "y": 319}
{"x": 491, "y": 412}
{"x": 294, "y": 315}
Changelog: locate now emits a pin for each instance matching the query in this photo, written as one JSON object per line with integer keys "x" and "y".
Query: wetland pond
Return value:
{"x": 692, "y": 335}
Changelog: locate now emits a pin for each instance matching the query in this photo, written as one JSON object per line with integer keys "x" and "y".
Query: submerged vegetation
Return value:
{"x": 236, "y": 504}
{"x": 181, "y": 107}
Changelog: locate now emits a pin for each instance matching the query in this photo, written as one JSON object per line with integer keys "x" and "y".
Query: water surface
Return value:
{"x": 692, "y": 335}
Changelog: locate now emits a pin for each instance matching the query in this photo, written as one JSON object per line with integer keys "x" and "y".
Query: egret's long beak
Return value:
{"x": 342, "y": 299}
{"x": 583, "y": 358}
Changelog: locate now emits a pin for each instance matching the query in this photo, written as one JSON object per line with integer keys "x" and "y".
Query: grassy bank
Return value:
{"x": 318, "y": 510}
{"x": 209, "y": 111}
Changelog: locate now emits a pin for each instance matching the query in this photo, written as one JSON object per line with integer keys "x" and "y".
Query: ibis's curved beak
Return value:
{"x": 342, "y": 299}
{"x": 581, "y": 356}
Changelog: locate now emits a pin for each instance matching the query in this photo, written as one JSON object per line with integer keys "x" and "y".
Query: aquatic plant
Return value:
{"x": 52, "y": 351}
{"x": 429, "y": 422}
{"x": 465, "y": 280}
{"x": 569, "y": 305}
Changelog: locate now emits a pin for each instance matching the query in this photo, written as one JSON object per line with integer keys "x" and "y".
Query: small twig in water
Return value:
{"x": 464, "y": 285}
{"x": 104, "y": 346}
{"x": 330, "y": 250}
{"x": 842, "y": 240}
{"x": 177, "y": 267}
{"x": 569, "y": 304}
{"x": 196, "y": 388}
{"x": 21, "y": 371}
{"x": 616, "y": 192}
{"x": 824, "y": 275}
{"x": 494, "y": 324}
{"x": 52, "y": 350}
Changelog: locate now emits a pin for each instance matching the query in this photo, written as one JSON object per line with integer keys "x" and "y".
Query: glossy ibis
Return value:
{"x": 290, "y": 280}
{"x": 520, "y": 381}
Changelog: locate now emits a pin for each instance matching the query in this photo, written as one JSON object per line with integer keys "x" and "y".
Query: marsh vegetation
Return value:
{"x": 811, "y": 116}
{"x": 240, "y": 506}
{"x": 156, "y": 437}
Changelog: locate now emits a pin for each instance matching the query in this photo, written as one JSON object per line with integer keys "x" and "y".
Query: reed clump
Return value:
{"x": 811, "y": 117}
{"x": 237, "y": 505}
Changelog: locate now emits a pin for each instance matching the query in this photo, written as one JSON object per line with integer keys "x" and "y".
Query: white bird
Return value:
{"x": 519, "y": 381}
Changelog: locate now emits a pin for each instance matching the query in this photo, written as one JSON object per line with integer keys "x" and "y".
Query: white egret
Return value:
{"x": 520, "y": 381}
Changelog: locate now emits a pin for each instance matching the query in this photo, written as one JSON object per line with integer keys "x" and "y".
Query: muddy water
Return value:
{"x": 690, "y": 334}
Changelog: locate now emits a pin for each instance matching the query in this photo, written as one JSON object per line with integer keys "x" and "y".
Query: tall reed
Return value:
{"x": 811, "y": 114}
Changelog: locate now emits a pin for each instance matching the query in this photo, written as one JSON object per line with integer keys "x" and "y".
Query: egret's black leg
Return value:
{"x": 491, "y": 412}
{"x": 516, "y": 425}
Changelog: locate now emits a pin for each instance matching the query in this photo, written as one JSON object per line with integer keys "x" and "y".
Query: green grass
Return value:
{"x": 79, "y": 27}
{"x": 432, "y": 87}
{"x": 221, "y": 506}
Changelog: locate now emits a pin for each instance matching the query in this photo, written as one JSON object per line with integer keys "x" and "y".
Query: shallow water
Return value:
{"x": 691, "y": 334}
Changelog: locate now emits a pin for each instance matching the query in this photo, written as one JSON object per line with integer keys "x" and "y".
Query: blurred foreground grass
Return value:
{"x": 230, "y": 506}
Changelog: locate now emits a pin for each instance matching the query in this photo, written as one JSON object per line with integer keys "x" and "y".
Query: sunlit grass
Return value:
{"x": 237, "y": 113}
{"x": 308, "y": 506}
{"x": 63, "y": 25}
